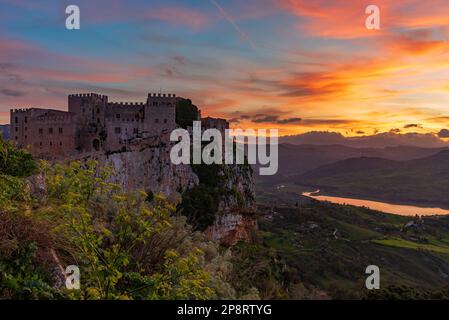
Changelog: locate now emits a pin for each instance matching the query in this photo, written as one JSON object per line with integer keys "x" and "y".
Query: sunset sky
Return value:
{"x": 296, "y": 65}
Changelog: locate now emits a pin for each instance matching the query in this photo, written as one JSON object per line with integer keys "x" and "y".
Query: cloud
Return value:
{"x": 346, "y": 19}
{"x": 413, "y": 125}
{"x": 289, "y": 120}
{"x": 12, "y": 93}
{"x": 443, "y": 133}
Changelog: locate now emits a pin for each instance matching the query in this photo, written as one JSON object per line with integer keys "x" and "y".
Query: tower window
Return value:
{"x": 154, "y": 103}
{"x": 50, "y": 130}
{"x": 118, "y": 130}
{"x": 117, "y": 115}
{"x": 135, "y": 130}
{"x": 41, "y": 131}
{"x": 156, "y": 120}
{"x": 60, "y": 130}
{"x": 26, "y": 119}
{"x": 165, "y": 120}
{"x": 16, "y": 120}
{"x": 17, "y": 129}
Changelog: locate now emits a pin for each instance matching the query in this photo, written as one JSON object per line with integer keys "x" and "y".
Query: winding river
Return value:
{"x": 404, "y": 210}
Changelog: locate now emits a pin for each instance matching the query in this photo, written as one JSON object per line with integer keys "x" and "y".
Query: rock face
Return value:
{"x": 230, "y": 228}
{"x": 149, "y": 168}
{"x": 235, "y": 219}
{"x": 146, "y": 165}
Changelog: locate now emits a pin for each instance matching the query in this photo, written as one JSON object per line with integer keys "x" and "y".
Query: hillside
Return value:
{"x": 421, "y": 181}
{"x": 298, "y": 159}
{"x": 326, "y": 248}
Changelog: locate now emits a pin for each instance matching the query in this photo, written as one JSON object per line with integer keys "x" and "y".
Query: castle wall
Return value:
{"x": 92, "y": 124}
{"x": 160, "y": 114}
{"x": 124, "y": 121}
{"x": 90, "y": 108}
{"x": 45, "y": 133}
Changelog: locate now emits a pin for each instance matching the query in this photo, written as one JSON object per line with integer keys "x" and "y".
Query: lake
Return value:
{"x": 404, "y": 210}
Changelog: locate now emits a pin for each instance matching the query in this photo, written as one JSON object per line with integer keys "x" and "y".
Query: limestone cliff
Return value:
{"x": 146, "y": 165}
{"x": 235, "y": 219}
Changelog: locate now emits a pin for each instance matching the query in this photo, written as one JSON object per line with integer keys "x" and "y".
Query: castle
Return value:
{"x": 93, "y": 124}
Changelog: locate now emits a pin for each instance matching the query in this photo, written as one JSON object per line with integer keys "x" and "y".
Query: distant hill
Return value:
{"x": 380, "y": 140}
{"x": 298, "y": 159}
{"x": 4, "y": 131}
{"x": 420, "y": 181}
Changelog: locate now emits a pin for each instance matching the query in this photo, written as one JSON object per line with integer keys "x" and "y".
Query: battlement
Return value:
{"x": 87, "y": 95}
{"x": 161, "y": 95}
{"x": 20, "y": 110}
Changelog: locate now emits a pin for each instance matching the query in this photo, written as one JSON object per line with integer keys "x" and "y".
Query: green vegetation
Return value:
{"x": 326, "y": 247}
{"x": 186, "y": 113}
{"x": 125, "y": 246}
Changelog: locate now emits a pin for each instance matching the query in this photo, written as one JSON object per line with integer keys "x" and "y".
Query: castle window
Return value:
{"x": 118, "y": 130}
{"x": 165, "y": 120}
{"x": 117, "y": 115}
{"x": 17, "y": 129}
{"x": 40, "y": 145}
{"x": 98, "y": 120}
{"x": 135, "y": 130}
{"x": 51, "y": 143}
{"x": 26, "y": 137}
{"x": 16, "y": 137}
{"x": 60, "y": 130}
{"x": 156, "y": 120}
{"x": 26, "y": 119}
{"x": 60, "y": 143}
{"x": 154, "y": 103}
{"x": 50, "y": 131}
{"x": 98, "y": 111}
{"x": 169, "y": 104}
{"x": 41, "y": 131}
{"x": 84, "y": 110}
{"x": 26, "y": 128}
{"x": 16, "y": 120}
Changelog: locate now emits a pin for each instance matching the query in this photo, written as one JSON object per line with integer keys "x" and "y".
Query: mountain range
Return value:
{"x": 379, "y": 140}
{"x": 298, "y": 159}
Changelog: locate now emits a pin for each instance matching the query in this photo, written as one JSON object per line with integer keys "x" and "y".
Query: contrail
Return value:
{"x": 242, "y": 34}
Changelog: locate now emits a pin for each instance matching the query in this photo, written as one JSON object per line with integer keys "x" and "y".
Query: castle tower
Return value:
{"x": 90, "y": 108}
{"x": 160, "y": 113}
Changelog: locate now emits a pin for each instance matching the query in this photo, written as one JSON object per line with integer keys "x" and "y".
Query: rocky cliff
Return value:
{"x": 146, "y": 165}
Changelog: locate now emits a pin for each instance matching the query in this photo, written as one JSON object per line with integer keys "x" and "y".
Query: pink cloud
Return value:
{"x": 346, "y": 19}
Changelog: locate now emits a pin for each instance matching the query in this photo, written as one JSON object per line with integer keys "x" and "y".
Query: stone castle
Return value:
{"x": 93, "y": 124}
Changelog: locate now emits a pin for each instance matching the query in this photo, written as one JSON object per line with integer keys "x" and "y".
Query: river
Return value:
{"x": 403, "y": 210}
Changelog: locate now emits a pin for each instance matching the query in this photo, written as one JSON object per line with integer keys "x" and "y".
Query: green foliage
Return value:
{"x": 257, "y": 267}
{"x": 125, "y": 246}
{"x": 14, "y": 162}
{"x": 186, "y": 113}
{"x": 200, "y": 204}
{"x": 20, "y": 279}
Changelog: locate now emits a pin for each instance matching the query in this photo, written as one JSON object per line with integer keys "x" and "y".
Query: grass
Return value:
{"x": 402, "y": 243}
